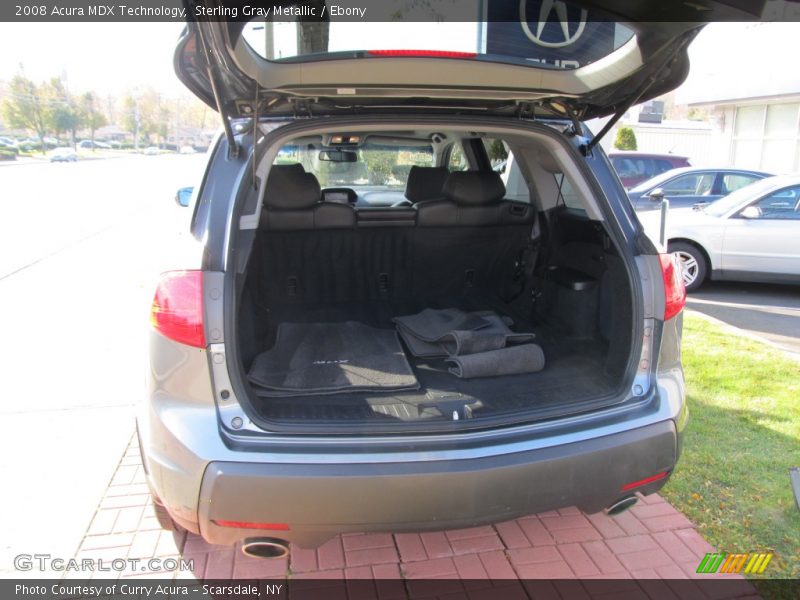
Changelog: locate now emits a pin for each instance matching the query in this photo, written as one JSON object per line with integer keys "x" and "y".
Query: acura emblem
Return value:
{"x": 544, "y": 14}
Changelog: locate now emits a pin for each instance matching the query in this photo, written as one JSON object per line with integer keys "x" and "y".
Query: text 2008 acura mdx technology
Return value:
{"x": 421, "y": 298}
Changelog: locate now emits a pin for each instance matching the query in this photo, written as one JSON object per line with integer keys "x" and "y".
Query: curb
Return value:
{"x": 733, "y": 329}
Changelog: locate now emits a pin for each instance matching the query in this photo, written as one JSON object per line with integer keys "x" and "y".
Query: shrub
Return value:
{"x": 626, "y": 139}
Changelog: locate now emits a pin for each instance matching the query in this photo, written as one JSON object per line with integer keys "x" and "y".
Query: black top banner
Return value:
{"x": 493, "y": 11}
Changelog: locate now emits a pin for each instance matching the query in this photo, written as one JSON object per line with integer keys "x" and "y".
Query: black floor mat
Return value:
{"x": 331, "y": 358}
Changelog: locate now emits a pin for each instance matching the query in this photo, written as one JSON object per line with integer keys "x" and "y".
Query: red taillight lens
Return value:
{"x": 674, "y": 290}
{"x": 251, "y": 525}
{"x": 177, "y": 309}
{"x": 423, "y": 53}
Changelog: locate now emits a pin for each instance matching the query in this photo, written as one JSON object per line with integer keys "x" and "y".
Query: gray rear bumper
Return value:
{"x": 318, "y": 501}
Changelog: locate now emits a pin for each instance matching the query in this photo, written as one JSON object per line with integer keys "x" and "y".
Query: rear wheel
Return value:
{"x": 694, "y": 266}
{"x": 166, "y": 522}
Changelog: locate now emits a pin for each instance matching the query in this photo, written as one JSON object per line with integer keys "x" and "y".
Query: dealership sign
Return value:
{"x": 550, "y": 32}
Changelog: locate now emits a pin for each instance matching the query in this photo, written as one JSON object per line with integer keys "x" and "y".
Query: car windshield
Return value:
{"x": 370, "y": 165}
{"x": 732, "y": 200}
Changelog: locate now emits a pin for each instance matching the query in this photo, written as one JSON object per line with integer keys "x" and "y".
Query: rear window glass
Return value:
{"x": 369, "y": 166}
{"x": 529, "y": 33}
{"x": 567, "y": 196}
{"x": 640, "y": 167}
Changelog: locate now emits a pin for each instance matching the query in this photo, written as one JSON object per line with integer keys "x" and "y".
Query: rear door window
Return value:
{"x": 642, "y": 168}
{"x": 731, "y": 183}
{"x": 695, "y": 184}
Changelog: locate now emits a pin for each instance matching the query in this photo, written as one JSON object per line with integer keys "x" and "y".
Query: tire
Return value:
{"x": 166, "y": 522}
{"x": 693, "y": 262}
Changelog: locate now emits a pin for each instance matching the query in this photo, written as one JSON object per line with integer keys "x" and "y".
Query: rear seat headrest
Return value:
{"x": 290, "y": 187}
{"x": 474, "y": 188}
{"x": 425, "y": 183}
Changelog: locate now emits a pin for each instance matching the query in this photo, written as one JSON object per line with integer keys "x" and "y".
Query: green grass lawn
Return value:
{"x": 744, "y": 434}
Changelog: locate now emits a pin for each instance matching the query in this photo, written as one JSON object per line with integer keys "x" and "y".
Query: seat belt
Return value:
{"x": 526, "y": 261}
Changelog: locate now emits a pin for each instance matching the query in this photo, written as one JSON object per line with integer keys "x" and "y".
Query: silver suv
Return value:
{"x": 383, "y": 330}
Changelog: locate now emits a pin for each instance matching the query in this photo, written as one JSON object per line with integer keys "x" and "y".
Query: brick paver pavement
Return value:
{"x": 652, "y": 543}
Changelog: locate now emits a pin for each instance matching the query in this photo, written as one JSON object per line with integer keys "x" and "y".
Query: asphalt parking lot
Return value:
{"x": 771, "y": 312}
{"x": 80, "y": 247}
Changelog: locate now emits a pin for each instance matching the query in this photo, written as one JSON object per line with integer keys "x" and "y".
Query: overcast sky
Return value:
{"x": 103, "y": 57}
{"x": 113, "y": 57}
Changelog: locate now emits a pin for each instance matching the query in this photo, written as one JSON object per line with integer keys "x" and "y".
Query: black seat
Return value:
{"x": 425, "y": 183}
{"x": 473, "y": 199}
{"x": 292, "y": 202}
{"x": 472, "y": 239}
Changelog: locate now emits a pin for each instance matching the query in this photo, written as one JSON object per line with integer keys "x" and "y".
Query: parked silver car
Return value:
{"x": 418, "y": 345}
{"x": 752, "y": 234}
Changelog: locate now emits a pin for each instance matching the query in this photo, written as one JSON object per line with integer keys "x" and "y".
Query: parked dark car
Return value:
{"x": 635, "y": 167}
{"x": 688, "y": 186}
{"x": 91, "y": 145}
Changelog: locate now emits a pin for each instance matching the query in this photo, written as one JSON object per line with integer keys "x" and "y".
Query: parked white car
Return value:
{"x": 753, "y": 234}
{"x": 63, "y": 155}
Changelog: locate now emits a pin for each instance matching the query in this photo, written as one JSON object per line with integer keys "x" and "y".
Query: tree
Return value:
{"x": 626, "y": 139}
{"x": 497, "y": 150}
{"x": 24, "y": 107}
{"x": 380, "y": 164}
{"x": 61, "y": 112}
{"x": 130, "y": 117}
{"x": 93, "y": 118}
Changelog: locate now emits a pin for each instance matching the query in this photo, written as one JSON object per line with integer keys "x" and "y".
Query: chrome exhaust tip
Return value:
{"x": 620, "y": 506}
{"x": 265, "y": 548}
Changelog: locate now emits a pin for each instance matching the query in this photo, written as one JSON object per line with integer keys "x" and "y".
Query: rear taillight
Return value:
{"x": 674, "y": 290}
{"x": 177, "y": 309}
{"x": 423, "y": 53}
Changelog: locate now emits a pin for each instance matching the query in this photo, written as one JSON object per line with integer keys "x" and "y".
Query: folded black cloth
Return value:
{"x": 438, "y": 333}
{"x": 431, "y": 324}
{"x": 513, "y": 360}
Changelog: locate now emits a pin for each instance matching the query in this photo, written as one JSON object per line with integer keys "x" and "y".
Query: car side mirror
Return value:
{"x": 657, "y": 195}
{"x": 751, "y": 212}
{"x": 184, "y": 196}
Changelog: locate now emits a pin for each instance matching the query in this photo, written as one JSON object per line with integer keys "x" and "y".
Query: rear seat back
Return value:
{"x": 470, "y": 239}
{"x": 473, "y": 199}
{"x": 425, "y": 183}
{"x": 292, "y": 202}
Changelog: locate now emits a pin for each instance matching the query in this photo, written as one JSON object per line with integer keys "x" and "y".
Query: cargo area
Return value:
{"x": 327, "y": 281}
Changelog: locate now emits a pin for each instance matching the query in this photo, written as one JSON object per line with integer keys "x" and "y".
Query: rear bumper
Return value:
{"x": 318, "y": 501}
